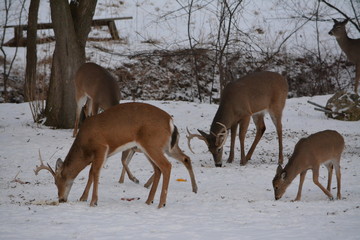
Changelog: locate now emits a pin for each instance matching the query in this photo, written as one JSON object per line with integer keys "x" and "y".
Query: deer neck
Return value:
{"x": 344, "y": 42}
{"x": 74, "y": 162}
{"x": 224, "y": 116}
{"x": 292, "y": 169}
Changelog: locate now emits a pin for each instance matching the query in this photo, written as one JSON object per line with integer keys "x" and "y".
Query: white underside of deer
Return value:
{"x": 119, "y": 128}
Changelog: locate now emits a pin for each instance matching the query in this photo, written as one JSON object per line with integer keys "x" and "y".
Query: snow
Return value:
{"x": 232, "y": 202}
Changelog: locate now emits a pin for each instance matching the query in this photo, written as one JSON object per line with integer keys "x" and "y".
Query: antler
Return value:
{"x": 223, "y": 133}
{"x": 42, "y": 166}
{"x": 191, "y": 136}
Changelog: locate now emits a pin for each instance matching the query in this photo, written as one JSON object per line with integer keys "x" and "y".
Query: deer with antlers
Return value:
{"x": 351, "y": 47}
{"x": 95, "y": 88}
{"x": 319, "y": 148}
{"x": 250, "y": 96}
{"x": 119, "y": 128}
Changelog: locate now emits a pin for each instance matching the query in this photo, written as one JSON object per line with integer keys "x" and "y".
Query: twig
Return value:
{"x": 318, "y": 105}
{"x": 18, "y": 180}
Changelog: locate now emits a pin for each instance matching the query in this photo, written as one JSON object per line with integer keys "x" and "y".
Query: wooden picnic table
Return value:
{"x": 109, "y": 22}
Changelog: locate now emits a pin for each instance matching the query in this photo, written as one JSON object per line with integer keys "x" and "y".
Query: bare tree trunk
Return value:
{"x": 194, "y": 54}
{"x": 7, "y": 67}
{"x": 227, "y": 13}
{"x": 71, "y": 23}
{"x": 31, "y": 57}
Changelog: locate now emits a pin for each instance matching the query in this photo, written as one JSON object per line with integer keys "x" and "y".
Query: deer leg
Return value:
{"x": 149, "y": 181}
{"x": 80, "y": 101}
{"x": 276, "y": 119}
{"x": 164, "y": 168}
{"x": 302, "y": 178}
{"x": 88, "y": 107}
{"x": 95, "y": 108}
{"x": 330, "y": 170}
{"x": 317, "y": 183}
{"x": 244, "y": 124}
{"x": 97, "y": 164}
{"x": 232, "y": 143}
{"x": 260, "y": 129}
{"x": 338, "y": 177}
{"x": 85, "y": 194}
{"x": 157, "y": 174}
{"x": 125, "y": 159}
{"x": 181, "y": 157}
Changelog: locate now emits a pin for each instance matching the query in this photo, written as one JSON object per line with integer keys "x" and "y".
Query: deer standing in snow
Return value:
{"x": 119, "y": 128}
{"x": 351, "y": 47}
{"x": 319, "y": 148}
{"x": 95, "y": 88}
{"x": 250, "y": 96}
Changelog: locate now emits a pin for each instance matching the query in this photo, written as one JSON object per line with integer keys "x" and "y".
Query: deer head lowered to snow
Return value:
{"x": 319, "y": 148}
{"x": 250, "y": 96}
{"x": 121, "y": 127}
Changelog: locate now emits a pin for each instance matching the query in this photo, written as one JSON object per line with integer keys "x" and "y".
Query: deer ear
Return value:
{"x": 59, "y": 165}
{"x": 345, "y": 21}
{"x": 335, "y": 21}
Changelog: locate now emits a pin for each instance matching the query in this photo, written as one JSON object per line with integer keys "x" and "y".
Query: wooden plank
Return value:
{"x": 95, "y": 22}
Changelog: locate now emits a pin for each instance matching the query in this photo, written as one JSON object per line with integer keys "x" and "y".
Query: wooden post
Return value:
{"x": 113, "y": 30}
{"x": 18, "y": 35}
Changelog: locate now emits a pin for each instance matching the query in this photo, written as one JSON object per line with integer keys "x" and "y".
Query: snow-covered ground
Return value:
{"x": 233, "y": 202}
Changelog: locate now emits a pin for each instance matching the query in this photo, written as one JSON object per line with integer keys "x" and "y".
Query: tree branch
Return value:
{"x": 342, "y": 13}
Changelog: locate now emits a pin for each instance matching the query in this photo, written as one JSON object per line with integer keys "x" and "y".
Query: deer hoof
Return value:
{"x": 162, "y": 205}
{"x": 136, "y": 181}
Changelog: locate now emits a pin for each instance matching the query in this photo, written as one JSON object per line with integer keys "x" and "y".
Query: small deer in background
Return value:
{"x": 319, "y": 148}
{"x": 351, "y": 47}
{"x": 95, "y": 88}
{"x": 249, "y": 97}
{"x": 119, "y": 128}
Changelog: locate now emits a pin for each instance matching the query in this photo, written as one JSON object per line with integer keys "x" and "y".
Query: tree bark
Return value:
{"x": 31, "y": 57}
{"x": 71, "y": 23}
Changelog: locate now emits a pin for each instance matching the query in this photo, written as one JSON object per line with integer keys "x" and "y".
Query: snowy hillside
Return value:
{"x": 233, "y": 202}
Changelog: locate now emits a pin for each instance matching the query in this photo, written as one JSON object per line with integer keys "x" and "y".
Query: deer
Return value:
{"x": 351, "y": 47}
{"x": 95, "y": 88}
{"x": 248, "y": 97}
{"x": 323, "y": 147}
{"x": 128, "y": 154}
{"x": 119, "y": 128}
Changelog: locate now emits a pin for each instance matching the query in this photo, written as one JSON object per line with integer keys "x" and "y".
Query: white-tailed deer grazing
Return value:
{"x": 176, "y": 153}
{"x": 351, "y": 47}
{"x": 119, "y": 128}
{"x": 250, "y": 96}
{"x": 319, "y": 148}
{"x": 96, "y": 88}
